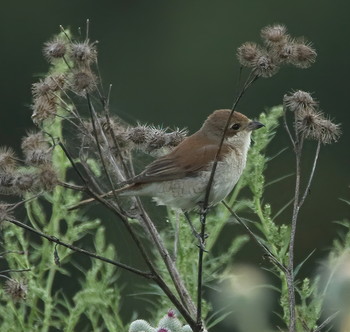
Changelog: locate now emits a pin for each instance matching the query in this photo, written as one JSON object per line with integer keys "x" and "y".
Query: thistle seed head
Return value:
{"x": 265, "y": 66}
{"x": 83, "y": 81}
{"x": 6, "y": 183}
{"x": 273, "y": 34}
{"x": 83, "y": 53}
{"x": 34, "y": 141}
{"x": 248, "y": 53}
{"x": 55, "y": 49}
{"x": 5, "y": 212}
{"x": 315, "y": 126}
{"x": 304, "y": 55}
{"x": 44, "y": 108}
{"x": 138, "y": 135}
{"x": 49, "y": 85}
{"x": 7, "y": 159}
{"x": 300, "y": 101}
{"x": 23, "y": 182}
{"x": 46, "y": 178}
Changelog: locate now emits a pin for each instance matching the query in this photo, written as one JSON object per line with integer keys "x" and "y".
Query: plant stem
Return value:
{"x": 203, "y": 215}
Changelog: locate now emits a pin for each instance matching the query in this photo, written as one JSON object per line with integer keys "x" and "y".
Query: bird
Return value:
{"x": 180, "y": 178}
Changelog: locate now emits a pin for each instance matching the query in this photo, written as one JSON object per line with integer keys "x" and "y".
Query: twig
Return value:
{"x": 307, "y": 189}
{"x": 250, "y": 80}
{"x": 174, "y": 273}
{"x": 54, "y": 239}
{"x": 285, "y": 123}
{"x": 13, "y": 271}
{"x": 256, "y": 239}
{"x": 327, "y": 321}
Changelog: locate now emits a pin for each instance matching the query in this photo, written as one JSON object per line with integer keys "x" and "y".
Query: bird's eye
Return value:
{"x": 235, "y": 126}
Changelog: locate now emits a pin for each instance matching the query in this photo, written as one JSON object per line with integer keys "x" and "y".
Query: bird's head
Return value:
{"x": 239, "y": 127}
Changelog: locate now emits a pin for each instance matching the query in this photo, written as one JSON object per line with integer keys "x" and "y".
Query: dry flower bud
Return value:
{"x": 299, "y": 101}
{"x": 264, "y": 66}
{"x": 176, "y": 137}
{"x": 43, "y": 108}
{"x": 7, "y": 159}
{"x": 273, "y": 34}
{"x": 34, "y": 141}
{"x": 46, "y": 87}
{"x": 5, "y": 212}
{"x": 46, "y": 178}
{"x": 55, "y": 49}
{"x": 315, "y": 126}
{"x": 248, "y": 53}
{"x": 284, "y": 52}
{"x": 303, "y": 56}
{"x": 138, "y": 134}
{"x": 84, "y": 53}
{"x": 23, "y": 182}
{"x": 6, "y": 184}
{"x": 156, "y": 140}
{"x": 83, "y": 81}
{"x": 17, "y": 290}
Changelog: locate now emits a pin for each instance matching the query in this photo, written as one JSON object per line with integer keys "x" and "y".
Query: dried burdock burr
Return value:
{"x": 55, "y": 49}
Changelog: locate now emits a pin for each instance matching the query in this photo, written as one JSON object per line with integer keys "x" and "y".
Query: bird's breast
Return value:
{"x": 228, "y": 172}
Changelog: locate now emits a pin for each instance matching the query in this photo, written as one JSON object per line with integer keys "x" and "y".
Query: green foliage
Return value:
{"x": 96, "y": 300}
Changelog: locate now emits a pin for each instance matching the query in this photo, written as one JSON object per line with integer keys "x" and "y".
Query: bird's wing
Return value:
{"x": 178, "y": 164}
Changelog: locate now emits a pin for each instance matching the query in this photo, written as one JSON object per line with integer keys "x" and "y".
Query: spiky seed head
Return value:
{"x": 304, "y": 55}
{"x": 155, "y": 140}
{"x": 313, "y": 125}
{"x": 300, "y": 101}
{"x": 34, "y": 141}
{"x": 138, "y": 134}
{"x": 273, "y": 34}
{"x": 6, "y": 183}
{"x": 7, "y": 159}
{"x": 5, "y": 212}
{"x": 23, "y": 182}
{"x": 176, "y": 137}
{"x": 83, "y": 81}
{"x": 265, "y": 66}
{"x": 248, "y": 53}
{"x": 55, "y": 49}
{"x": 51, "y": 84}
{"x": 44, "y": 108}
{"x": 84, "y": 53}
{"x": 46, "y": 178}
{"x": 17, "y": 290}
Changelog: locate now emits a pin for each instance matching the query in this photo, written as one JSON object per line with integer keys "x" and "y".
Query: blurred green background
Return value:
{"x": 173, "y": 63}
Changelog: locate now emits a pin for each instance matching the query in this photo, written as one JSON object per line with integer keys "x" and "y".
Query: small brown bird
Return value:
{"x": 180, "y": 178}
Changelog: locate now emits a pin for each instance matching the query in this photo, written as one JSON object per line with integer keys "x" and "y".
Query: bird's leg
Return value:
{"x": 195, "y": 233}
{"x": 203, "y": 211}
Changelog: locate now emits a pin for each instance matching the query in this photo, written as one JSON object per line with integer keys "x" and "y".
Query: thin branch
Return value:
{"x": 256, "y": 239}
{"x": 250, "y": 80}
{"x": 298, "y": 146}
{"x": 307, "y": 189}
{"x": 171, "y": 267}
{"x": 72, "y": 186}
{"x": 13, "y": 271}
{"x": 285, "y": 123}
{"x": 54, "y": 239}
{"x": 327, "y": 321}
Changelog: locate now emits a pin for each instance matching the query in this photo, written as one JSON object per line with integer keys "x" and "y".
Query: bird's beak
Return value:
{"x": 253, "y": 125}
